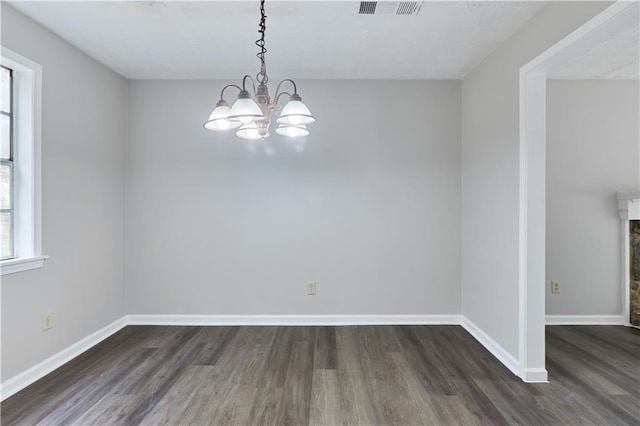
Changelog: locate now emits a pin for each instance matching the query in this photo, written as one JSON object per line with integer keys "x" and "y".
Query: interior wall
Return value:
{"x": 84, "y": 107}
{"x": 592, "y": 152}
{"x": 370, "y": 210}
{"x": 490, "y": 171}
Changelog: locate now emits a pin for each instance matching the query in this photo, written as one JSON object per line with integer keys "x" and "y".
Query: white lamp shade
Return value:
{"x": 249, "y": 131}
{"x": 292, "y": 131}
{"x": 295, "y": 113}
{"x": 245, "y": 110}
{"x": 219, "y": 119}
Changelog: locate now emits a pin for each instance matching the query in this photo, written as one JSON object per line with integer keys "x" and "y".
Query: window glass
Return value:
{"x": 5, "y": 90}
{"x": 6, "y": 165}
{"x": 6, "y": 251}
{"x": 5, "y": 186}
{"x": 5, "y": 137}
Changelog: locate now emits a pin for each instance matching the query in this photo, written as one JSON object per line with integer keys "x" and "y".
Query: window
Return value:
{"x": 20, "y": 220}
{"x": 6, "y": 164}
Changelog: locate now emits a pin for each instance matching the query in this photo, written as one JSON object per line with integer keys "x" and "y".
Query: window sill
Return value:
{"x": 12, "y": 266}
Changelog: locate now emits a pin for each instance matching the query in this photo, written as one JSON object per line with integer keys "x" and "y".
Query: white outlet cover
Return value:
{"x": 47, "y": 321}
{"x": 311, "y": 288}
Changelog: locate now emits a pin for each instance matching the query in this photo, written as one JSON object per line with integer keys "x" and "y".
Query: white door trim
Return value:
{"x": 531, "y": 258}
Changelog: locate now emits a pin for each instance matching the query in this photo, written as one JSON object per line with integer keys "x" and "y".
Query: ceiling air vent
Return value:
{"x": 367, "y": 7}
{"x": 406, "y": 8}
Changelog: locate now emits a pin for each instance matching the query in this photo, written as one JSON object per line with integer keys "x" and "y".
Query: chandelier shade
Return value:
{"x": 295, "y": 113}
{"x": 219, "y": 118}
{"x": 292, "y": 131}
{"x": 251, "y": 112}
{"x": 245, "y": 109}
{"x": 249, "y": 131}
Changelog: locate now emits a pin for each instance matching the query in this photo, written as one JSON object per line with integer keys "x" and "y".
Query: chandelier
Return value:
{"x": 251, "y": 112}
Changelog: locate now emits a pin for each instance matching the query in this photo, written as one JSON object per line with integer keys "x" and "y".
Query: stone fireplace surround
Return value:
{"x": 629, "y": 209}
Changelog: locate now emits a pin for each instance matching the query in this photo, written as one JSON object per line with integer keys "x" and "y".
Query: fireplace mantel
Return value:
{"x": 629, "y": 205}
{"x": 629, "y": 209}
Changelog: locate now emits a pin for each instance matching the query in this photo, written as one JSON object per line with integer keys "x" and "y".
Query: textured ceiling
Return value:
{"x": 613, "y": 59}
{"x": 306, "y": 39}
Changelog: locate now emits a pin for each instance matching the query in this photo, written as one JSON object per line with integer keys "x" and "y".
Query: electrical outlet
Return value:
{"x": 311, "y": 289}
{"x": 555, "y": 287}
{"x": 47, "y": 321}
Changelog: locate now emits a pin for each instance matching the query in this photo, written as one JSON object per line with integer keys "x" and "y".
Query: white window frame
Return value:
{"x": 27, "y": 187}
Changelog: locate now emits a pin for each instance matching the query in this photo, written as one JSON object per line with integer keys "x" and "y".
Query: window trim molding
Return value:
{"x": 11, "y": 266}
{"x": 28, "y": 193}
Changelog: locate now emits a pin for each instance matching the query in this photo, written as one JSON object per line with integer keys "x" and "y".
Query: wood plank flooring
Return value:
{"x": 360, "y": 375}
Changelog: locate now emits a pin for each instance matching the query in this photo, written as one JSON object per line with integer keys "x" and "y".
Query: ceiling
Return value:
{"x": 613, "y": 59}
{"x": 305, "y": 39}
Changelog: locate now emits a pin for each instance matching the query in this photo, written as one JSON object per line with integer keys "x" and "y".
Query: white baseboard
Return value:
{"x": 585, "y": 320}
{"x": 492, "y": 346}
{"x": 27, "y": 377}
{"x": 38, "y": 371}
{"x": 317, "y": 320}
{"x": 535, "y": 375}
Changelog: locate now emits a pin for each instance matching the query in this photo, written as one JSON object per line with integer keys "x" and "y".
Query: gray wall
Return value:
{"x": 371, "y": 209}
{"x": 84, "y": 114}
{"x": 592, "y": 152}
{"x": 490, "y": 173}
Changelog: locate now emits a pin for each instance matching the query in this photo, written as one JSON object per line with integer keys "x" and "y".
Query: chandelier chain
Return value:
{"x": 251, "y": 113}
{"x": 262, "y": 75}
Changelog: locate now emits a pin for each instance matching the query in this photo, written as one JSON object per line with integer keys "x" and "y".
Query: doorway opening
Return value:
{"x": 532, "y": 181}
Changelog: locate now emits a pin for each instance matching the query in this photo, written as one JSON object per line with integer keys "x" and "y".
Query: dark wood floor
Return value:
{"x": 368, "y": 375}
